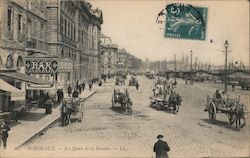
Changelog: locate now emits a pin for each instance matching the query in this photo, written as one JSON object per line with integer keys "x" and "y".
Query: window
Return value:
{"x": 19, "y": 18}
{"x": 9, "y": 19}
{"x": 61, "y": 23}
{"x": 62, "y": 54}
{"x": 19, "y": 62}
{"x": 42, "y": 31}
{"x": 35, "y": 32}
{"x": 65, "y": 23}
{"x": 74, "y": 33}
{"x": 29, "y": 27}
{"x": 68, "y": 76}
{"x": 9, "y": 62}
{"x": 69, "y": 29}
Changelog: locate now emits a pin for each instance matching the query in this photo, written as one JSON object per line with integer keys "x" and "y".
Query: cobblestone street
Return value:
{"x": 106, "y": 132}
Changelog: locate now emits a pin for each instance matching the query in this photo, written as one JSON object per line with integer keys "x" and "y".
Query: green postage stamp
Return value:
{"x": 185, "y": 21}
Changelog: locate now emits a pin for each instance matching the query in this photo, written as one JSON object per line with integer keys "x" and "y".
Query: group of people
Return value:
{"x": 78, "y": 88}
{"x": 134, "y": 81}
{"x": 163, "y": 87}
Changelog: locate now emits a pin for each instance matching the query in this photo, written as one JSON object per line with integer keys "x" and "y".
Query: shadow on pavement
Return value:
{"x": 166, "y": 110}
{"x": 220, "y": 123}
{"x": 12, "y": 123}
{"x": 118, "y": 109}
{"x": 32, "y": 116}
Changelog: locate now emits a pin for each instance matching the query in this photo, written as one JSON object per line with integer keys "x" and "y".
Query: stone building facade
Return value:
{"x": 23, "y": 32}
{"x": 36, "y": 33}
{"x": 74, "y": 37}
{"x": 108, "y": 56}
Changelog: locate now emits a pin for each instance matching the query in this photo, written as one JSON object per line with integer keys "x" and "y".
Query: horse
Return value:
{"x": 64, "y": 114}
{"x": 238, "y": 112}
{"x": 175, "y": 101}
{"x": 72, "y": 109}
{"x": 129, "y": 104}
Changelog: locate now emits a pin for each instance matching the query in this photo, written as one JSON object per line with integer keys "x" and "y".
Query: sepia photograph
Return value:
{"x": 124, "y": 78}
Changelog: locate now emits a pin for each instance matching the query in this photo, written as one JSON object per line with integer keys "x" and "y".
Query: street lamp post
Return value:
{"x": 175, "y": 68}
{"x": 191, "y": 54}
{"x": 191, "y": 77}
{"x": 225, "y": 80}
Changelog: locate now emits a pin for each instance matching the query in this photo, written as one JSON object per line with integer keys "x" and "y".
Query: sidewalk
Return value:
{"x": 35, "y": 122}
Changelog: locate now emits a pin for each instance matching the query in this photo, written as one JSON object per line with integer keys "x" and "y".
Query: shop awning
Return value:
{"x": 24, "y": 77}
{"x": 16, "y": 94}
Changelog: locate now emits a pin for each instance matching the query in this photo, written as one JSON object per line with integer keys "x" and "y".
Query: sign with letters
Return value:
{"x": 41, "y": 66}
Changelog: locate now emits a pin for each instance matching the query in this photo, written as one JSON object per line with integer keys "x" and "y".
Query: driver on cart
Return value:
{"x": 217, "y": 99}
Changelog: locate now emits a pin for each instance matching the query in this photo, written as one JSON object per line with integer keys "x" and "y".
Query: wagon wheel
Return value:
{"x": 212, "y": 112}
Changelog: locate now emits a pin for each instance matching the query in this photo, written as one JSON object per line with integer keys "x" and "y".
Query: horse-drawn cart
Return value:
{"x": 133, "y": 81}
{"x": 123, "y": 99}
{"x": 235, "y": 110}
{"x": 163, "y": 103}
{"x": 73, "y": 110}
{"x": 119, "y": 81}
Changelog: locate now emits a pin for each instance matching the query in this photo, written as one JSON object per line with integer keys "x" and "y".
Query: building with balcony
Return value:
{"x": 121, "y": 60}
{"x": 23, "y": 32}
{"x": 108, "y": 55}
{"x": 74, "y": 34}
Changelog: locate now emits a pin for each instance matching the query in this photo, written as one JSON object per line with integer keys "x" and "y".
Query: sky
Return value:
{"x": 132, "y": 25}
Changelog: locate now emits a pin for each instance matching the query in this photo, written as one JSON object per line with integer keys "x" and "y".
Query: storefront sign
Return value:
{"x": 41, "y": 66}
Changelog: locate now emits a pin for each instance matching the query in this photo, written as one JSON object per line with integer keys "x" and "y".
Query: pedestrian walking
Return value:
{"x": 69, "y": 90}
{"x": 77, "y": 84}
{"x": 137, "y": 85}
{"x": 61, "y": 95}
{"x": 83, "y": 86}
{"x": 4, "y": 134}
{"x": 80, "y": 88}
{"x": 75, "y": 94}
{"x": 161, "y": 147}
{"x": 64, "y": 113}
{"x": 58, "y": 96}
{"x": 48, "y": 105}
{"x": 90, "y": 85}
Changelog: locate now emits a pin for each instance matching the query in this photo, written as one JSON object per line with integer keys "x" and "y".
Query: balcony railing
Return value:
{"x": 69, "y": 41}
{"x": 32, "y": 43}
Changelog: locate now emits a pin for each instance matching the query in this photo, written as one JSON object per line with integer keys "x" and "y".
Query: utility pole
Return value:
{"x": 174, "y": 68}
{"x": 195, "y": 64}
{"x": 191, "y": 54}
{"x": 226, "y": 46}
{"x": 191, "y": 71}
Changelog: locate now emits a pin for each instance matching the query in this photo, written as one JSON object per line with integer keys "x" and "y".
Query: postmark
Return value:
{"x": 184, "y": 21}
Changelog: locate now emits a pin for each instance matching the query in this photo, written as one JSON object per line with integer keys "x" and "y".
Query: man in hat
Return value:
{"x": 4, "y": 133}
{"x": 217, "y": 99}
{"x": 64, "y": 113}
{"x": 217, "y": 94}
{"x": 161, "y": 148}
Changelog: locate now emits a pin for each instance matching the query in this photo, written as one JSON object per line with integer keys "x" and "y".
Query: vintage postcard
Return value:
{"x": 124, "y": 78}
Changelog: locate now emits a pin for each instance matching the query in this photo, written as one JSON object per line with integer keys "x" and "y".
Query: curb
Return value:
{"x": 47, "y": 126}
